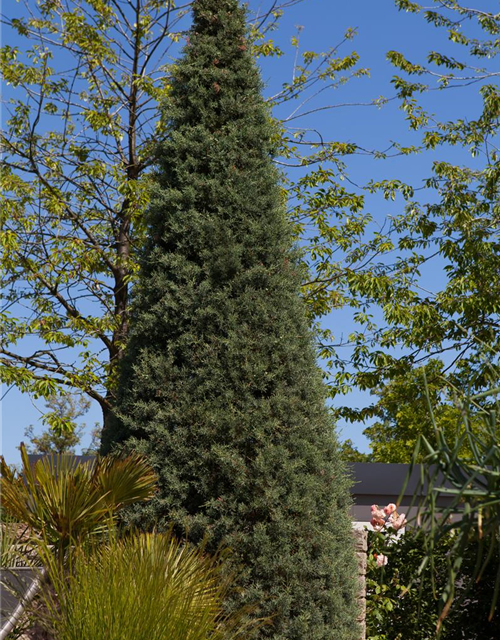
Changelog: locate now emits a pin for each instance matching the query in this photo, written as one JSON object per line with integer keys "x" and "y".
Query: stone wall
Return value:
{"x": 361, "y": 553}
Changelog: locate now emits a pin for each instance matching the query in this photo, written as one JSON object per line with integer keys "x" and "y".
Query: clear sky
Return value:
{"x": 381, "y": 27}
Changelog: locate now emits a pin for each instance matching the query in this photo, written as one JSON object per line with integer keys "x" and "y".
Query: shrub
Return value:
{"x": 396, "y": 609}
{"x": 401, "y": 605}
{"x": 63, "y": 501}
{"x": 145, "y": 587}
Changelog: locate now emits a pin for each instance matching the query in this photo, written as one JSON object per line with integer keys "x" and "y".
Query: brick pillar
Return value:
{"x": 361, "y": 545}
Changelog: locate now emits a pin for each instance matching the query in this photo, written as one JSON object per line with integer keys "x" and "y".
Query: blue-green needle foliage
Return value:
{"x": 219, "y": 385}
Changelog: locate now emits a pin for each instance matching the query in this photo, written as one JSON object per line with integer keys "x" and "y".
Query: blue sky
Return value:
{"x": 380, "y": 27}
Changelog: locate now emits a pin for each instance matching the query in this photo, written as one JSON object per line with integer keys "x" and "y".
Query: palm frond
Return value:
{"x": 63, "y": 501}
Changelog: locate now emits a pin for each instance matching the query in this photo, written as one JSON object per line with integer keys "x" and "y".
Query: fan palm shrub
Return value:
{"x": 147, "y": 586}
{"x": 63, "y": 500}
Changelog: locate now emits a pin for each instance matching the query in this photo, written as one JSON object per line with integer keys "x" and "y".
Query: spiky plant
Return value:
{"x": 63, "y": 500}
{"x": 146, "y": 587}
{"x": 8, "y": 542}
{"x": 470, "y": 513}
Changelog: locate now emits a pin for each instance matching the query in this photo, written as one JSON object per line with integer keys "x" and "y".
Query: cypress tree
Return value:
{"x": 219, "y": 384}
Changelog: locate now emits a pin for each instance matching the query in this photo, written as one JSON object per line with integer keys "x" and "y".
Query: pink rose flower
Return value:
{"x": 377, "y": 513}
{"x": 397, "y": 522}
{"x": 377, "y": 523}
{"x": 391, "y": 507}
{"x": 381, "y": 559}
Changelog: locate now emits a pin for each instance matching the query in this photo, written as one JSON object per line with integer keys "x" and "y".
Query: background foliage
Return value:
{"x": 401, "y": 604}
{"x": 412, "y": 405}
{"x": 65, "y": 433}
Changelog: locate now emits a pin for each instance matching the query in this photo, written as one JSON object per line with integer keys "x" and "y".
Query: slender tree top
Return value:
{"x": 220, "y": 139}
{"x": 213, "y": 10}
{"x": 217, "y": 67}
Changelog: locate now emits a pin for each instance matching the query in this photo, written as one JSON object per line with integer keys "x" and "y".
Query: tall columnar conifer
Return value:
{"x": 219, "y": 385}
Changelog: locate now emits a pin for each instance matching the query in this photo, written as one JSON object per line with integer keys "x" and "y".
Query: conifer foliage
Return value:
{"x": 219, "y": 385}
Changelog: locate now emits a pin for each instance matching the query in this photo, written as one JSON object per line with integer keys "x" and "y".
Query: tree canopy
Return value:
{"x": 84, "y": 81}
{"x": 412, "y": 405}
{"x": 452, "y": 226}
{"x": 65, "y": 431}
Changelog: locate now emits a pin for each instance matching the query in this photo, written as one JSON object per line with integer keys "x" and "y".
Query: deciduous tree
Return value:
{"x": 83, "y": 81}
{"x": 404, "y": 406}
{"x": 450, "y": 225}
{"x": 64, "y": 432}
